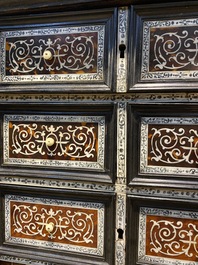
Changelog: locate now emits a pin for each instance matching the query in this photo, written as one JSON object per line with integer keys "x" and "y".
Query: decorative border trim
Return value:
{"x": 56, "y": 184}
{"x": 99, "y": 165}
{"x": 56, "y": 77}
{"x": 104, "y": 98}
{"x": 23, "y": 261}
{"x": 157, "y": 76}
{"x": 143, "y": 212}
{"x": 121, "y": 142}
{"x": 164, "y": 170}
{"x": 32, "y": 242}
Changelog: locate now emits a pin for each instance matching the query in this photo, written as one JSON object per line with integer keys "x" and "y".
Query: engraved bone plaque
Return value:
{"x": 75, "y": 226}
{"x": 54, "y": 141}
{"x": 53, "y": 54}
{"x": 169, "y": 145}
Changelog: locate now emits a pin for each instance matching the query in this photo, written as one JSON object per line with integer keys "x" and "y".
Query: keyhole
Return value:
{"x": 120, "y": 233}
{"x": 122, "y": 48}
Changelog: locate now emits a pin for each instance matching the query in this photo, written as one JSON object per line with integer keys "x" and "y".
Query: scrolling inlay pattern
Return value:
{"x": 77, "y": 141}
{"x": 56, "y": 54}
{"x": 168, "y": 234}
{"x": 73, "y": 223}
{"x": 169, "y": 145}
{"x": 170, "y": 49}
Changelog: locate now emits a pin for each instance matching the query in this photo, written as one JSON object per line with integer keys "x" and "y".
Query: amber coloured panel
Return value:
{"x": 75, "y": 53}
{"x": 170, "y": 145}
{"x": 173, "y": 49}
{"x": 70, "y": 225}
{"x": 71, "y": 141}
{"x": 171, "y": 237}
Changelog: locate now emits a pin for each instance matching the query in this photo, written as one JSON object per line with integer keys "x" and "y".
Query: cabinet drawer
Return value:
{"x": 170, "y": 235}
{"x": 55, "y": 141}
{"x": 64, "y": 225}
{"x": 167, "y": 231}
{"x": 54, "y": 54}
{"x": 76, "y": 53}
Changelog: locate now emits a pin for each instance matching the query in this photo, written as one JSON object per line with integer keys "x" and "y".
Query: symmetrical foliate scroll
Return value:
{"x": 53, "y": 54}
{"x": 58, "y": 224}
{"x": 69, "y": 141}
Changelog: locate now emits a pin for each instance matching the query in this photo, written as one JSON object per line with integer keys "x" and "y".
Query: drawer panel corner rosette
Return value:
{"x": 169, "y": 145}
{"x": 69, "y": 54}
{"x": 73, "y": 142}
{"x": 167, "y": 236}
{"x": 169, "y": 50}
{"x": 63, "y": 225}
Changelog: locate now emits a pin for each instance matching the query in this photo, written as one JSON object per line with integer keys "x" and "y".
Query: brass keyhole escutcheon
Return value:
{"x": 49, "y": 141}
{"x": 49, "y": 227}
{"x": 47, "y": 55}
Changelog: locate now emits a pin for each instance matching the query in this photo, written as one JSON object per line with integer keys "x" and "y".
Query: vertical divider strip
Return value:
{"x": 121, "y": 85}
{"x": 121, "y": 184}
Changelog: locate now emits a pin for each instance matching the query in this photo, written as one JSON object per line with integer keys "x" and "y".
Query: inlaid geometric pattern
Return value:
{"x": 71, "y": 225}
{"x": 53, "y": 54}
{"x": 54, "y": 140}
{"x": 169, "y": 145}
{"x": 170, "y": 50}
{"x": 167, "y": 236}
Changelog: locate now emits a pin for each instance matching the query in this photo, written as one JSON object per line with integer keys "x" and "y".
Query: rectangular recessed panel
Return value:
{"x": 169, "y": 50}
{"x": 60, "y": 141}
{"x": 169, "y": 145}
{"x": 53, "y": 54}
{"x": 59, "y": 224}
{"x": 168, "y": 236}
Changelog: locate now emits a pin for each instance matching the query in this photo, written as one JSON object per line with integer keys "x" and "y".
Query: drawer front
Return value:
{"x": 165, "y": 49}
{"x": 163, "y": 230}
{"x": 167, "y": 236}
{"x": 169, "y": 50}
{"x": 54, "y": 54}
{"x": 169, "y": 145}
{"x": 75, "y": 226}
{"x": 55, "y": 141}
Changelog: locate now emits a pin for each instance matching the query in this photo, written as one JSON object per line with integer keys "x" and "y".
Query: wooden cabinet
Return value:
{"x": 98, "y": 146}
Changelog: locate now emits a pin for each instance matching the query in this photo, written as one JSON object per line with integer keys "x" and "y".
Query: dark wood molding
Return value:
{"x": 9, "y": 7}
